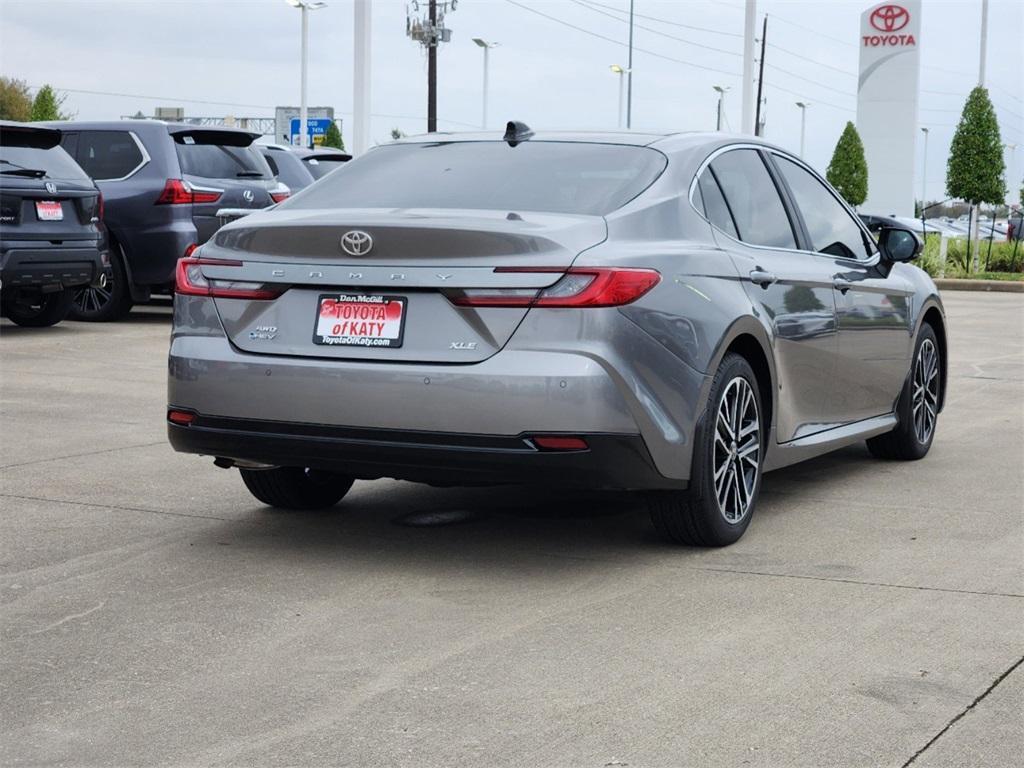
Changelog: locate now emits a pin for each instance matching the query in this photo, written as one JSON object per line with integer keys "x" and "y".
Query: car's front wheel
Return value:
{"x": 918, "y": 406}
{"x": 37, "y": 310}
{"x": 726, "y": 476}
{"x": 296, "y": 487}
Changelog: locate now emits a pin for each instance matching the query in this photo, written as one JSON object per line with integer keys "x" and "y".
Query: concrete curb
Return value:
{"x": 960, "y": 284}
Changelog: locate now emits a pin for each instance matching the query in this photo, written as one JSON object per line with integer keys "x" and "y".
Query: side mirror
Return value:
{"x": 899, "y": 244}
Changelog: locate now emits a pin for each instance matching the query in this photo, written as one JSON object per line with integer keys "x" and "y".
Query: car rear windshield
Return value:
{"x": 55, "y": 163}
{"x": 218, "y": 161}
{"x": 555, "y": 177}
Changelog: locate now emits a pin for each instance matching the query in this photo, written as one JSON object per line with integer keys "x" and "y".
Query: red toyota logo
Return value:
{"x": 889, "y": 18}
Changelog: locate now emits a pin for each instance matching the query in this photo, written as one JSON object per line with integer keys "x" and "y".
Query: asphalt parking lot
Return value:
{"x": 154, "y": 613}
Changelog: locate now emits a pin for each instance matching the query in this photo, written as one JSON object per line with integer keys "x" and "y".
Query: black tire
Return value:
{"x": 110, "y": 303}
{"x": 906, "y": 442}
{"x": 296, "y": 487}
{"x": 37, "y": 310}
{"x": 697, "y": 517}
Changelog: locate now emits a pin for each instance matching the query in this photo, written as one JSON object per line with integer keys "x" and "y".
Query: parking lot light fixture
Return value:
{"x": 487, "y": 50}
{"x": 721, "y": 97}
{"x": 621, "y": 71}
{"x": 305, "y": 6}
{"x": 803, "y": 124}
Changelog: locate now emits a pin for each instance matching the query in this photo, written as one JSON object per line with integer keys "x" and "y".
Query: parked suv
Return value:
{"x": 162, "y": 184}
{"x": 50, "y": 241}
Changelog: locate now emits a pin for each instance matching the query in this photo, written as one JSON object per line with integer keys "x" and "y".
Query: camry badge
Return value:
{"x": 51, "y": 188}
{"x": 356, "y": 243}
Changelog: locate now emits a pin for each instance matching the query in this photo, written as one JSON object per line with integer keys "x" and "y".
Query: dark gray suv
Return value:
{"x": 163, "y": 184}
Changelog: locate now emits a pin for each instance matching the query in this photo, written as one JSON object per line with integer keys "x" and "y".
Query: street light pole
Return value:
{"x": 629, "y": 72}
{"x": 619, "y": 70}
{"x": 803, "y": 124}
{"x": 747, "y": 124}
{"x": 487, "y": 50}
{"x": 721, "y": 97}
{"x": 924, "y": 172}
{"x": 305, "y": 6}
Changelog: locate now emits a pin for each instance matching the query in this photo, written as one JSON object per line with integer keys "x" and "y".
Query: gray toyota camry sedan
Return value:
{"x": 668, "y": 314}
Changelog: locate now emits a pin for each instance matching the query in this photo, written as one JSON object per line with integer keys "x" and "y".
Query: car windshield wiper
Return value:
{"x": 32, "y": 173}
{"x": 250, "y": 174}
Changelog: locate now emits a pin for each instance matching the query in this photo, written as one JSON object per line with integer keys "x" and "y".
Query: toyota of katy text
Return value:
{"x": 673, "y": 315}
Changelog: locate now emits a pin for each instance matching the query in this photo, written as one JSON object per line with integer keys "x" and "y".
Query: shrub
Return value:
{"x": 848, "y": 170}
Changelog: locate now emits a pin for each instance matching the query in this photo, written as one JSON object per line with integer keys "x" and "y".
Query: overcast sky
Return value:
{"x": 242, "y": 58}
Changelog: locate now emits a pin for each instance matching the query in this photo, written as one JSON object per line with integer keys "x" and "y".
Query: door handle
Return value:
{"x": 841, "y": 284}
{"x": 762, "y": 278}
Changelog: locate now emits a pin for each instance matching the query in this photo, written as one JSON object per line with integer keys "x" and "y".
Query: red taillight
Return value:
{"x": 560, "y": 443}
{"x": 280, "y": 193}
{"x": 190, "y": 281}
{"x": 580, "y": 287}
{"x": 179, "y": 192}
{"x": 181, "y": 417}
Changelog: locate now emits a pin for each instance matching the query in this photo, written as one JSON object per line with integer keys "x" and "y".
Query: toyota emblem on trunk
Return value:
{"x": 356, "y": 243}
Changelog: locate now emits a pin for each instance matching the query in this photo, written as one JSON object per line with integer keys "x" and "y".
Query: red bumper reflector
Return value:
{"x": 559, "y": 443}
{"x": 181, "y": 417}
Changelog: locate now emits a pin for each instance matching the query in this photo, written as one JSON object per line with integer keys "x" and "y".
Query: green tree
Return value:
{"x": 974, "y": 171}
{"x": 47, "y": 104}
{"x": 15, "y": 103}
{"x": 333, "y": 137}
{"x": 848, "y": 170}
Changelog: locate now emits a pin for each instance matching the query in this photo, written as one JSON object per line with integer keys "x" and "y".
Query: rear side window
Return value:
{"x": 555, "y": 177}
{"x": 832, "y": 229}
{"x": 753, "y": 199}
{"x": 715, "y": 207}
{"x": 216, "y": 161}
{"x": 106, "y": 155}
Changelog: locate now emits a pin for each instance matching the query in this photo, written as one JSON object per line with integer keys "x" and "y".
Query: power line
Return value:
{"x": 806, "y": 98}
{"x": 658, "y": 32}
{"x": 804, "y": 57}
{"x": 809, "y": 80}
{"x": 665, "y": 21}
{"x": 817, "y": 32}
{"x": 619, "y": 42}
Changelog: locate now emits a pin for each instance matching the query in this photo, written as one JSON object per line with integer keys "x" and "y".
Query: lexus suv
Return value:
{"x": 668, "y": 314}
{"x": 50, "y": 238}
{"x": 162, "y": 184}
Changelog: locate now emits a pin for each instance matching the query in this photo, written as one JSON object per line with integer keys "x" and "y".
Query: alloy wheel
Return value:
{"x": 926, "y": 391}
{"x": 737, "y": 450}
{"x": 92, "y": 299}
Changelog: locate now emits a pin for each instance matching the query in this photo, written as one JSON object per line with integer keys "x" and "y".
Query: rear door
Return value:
{"x": 224, "y": 170}
{"x": 873, "y": 301}
{"x": 791, "y": 289}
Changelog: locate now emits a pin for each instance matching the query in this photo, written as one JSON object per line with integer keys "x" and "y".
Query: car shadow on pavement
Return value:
{"x": 504, "y": 528}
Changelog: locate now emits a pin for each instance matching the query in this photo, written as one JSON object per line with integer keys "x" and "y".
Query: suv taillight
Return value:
{"x": 189, "y": 280}
{"x": 280, "y": 193}
{"x": 180, "y": 192}
{"x": 581, "y": 287}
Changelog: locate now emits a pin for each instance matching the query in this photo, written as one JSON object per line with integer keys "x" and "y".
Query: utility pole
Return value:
{"x": 305, "y": 6}
{"x": 361, "y": 17}
{"x": 760, "y": 78}
{"x": 629, "y": 73}
{"x": 429, "y": 31}
{"x": 803, "y": 124}
{"x": 749, "y": 22}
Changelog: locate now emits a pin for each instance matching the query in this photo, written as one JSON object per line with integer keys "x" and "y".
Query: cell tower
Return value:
{"x": 427, "y": 28}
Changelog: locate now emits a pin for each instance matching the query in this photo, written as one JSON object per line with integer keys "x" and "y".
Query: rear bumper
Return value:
{"x": 437, "y": 458}
{"x": 51, "y": 267}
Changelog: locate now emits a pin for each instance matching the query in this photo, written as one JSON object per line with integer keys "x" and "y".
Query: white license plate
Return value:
{"x": 49, "y": 210}
{"x": 359, "y": 320}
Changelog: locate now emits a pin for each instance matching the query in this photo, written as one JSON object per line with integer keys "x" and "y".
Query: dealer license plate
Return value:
{"x": 359, "y": 320}
{"x": 49, "y": 210}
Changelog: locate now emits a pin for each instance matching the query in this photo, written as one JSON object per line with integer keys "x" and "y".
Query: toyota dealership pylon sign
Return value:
{"x": 887, "y": 93}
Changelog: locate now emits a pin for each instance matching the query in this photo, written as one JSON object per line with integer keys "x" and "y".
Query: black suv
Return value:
{"x": 162, "y": 184}
{"x": 50, "y": 237}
